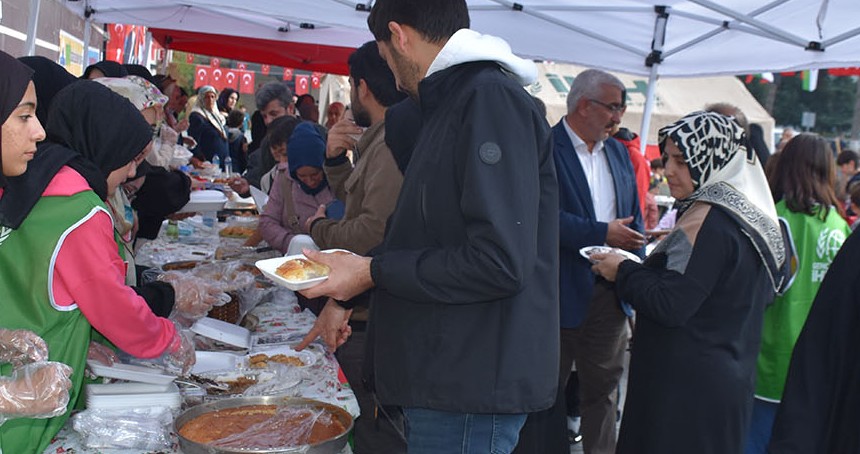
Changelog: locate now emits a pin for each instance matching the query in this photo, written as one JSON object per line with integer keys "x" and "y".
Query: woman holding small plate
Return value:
{"x": 700, "y": 296}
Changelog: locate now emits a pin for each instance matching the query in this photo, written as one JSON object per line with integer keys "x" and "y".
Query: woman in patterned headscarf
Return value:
{"x": 700, "y": 296}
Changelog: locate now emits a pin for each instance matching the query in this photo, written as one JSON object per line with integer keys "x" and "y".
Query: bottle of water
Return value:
{"x": 228, "y": 166}
{"x": 217, "y": 161}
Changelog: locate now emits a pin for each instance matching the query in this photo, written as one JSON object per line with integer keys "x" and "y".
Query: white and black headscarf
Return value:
{"x": 727, "y": 173}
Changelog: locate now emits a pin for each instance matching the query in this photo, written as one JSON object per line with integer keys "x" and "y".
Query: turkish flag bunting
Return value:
{"x": 216, "y": 78}
{"x": 231, "y": 78}
{"x": 288, "y": 74}
{"x": 246, "y": 82}
{"x": 301, "y": 85}
{"x": 852, "y": 71}
{"x": 242, "y": 66}
{"x": 189, "y": 58}
{"x": 201, "y": 76}
{"x": 216, "y": 62}
{"x": 265, "y": 69}
{"x": 315, "y": 80}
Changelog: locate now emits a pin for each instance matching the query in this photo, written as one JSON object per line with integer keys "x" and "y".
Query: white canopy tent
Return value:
{"x": 658, "y": 38}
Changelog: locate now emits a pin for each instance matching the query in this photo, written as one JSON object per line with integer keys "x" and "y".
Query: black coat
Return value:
{"x": 692, "y": 368}
{"x": 820, "y": 409}
{"x": 465, "y": 311}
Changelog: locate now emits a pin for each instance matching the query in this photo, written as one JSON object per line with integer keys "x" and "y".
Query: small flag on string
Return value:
{"x": 201, "y": 76}
{"x": 231, "y": 78}
{"x": 265, "y": 69}
{"x": 301, "y": 85}
{"x": 288, "y": 74}
{"x": 246, "y": 82}
{"x": 810, "y": 79}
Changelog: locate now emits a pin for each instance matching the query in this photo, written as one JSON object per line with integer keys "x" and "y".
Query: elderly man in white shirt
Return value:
{"x": 598, "y": 206}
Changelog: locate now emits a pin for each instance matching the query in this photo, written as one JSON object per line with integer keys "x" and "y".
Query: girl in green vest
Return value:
{"x": 802, "y": 182}
{"x": 62, "y": 274}
{"x": 36, "y": 388}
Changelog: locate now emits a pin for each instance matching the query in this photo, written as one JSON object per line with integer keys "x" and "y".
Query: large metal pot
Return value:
{"x": 330, "y": 446}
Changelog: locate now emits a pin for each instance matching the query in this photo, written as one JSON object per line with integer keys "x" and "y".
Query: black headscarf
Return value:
{"x": 102, "y": 126}
{"x": 49, "y": 78}
{"x": 140, "y": 71}
{"x": 108, "y": 68}
{"x": 14, "y": 80}
{"x": 22, "y": 192}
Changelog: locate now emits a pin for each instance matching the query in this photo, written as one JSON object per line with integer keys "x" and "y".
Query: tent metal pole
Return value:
{"x": 88, "y": 31}
{"x": 650, "y": 96}
{"x": 168, "y": 57}
{"x": 32, "y": 26}
{"x": 147, "y": 49}
{"x": 654, "y": 61}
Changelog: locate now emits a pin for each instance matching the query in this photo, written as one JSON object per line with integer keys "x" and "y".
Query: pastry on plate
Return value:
{"x": 235, "y": 231}
{"x": 298, "y": 270}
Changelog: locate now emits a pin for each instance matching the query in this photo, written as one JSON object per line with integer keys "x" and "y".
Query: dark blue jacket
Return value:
{"x": 578, "y": 224}
{"x": 209, "y": 139}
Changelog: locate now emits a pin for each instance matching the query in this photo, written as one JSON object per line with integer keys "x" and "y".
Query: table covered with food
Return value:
{"x": 249, "y": 390}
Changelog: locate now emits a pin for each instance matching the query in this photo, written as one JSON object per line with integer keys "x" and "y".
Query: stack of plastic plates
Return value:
{"x": 132, "y": 395}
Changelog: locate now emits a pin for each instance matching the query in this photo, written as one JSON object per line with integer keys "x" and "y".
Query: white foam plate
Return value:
{"x": 221, "y": 331}
{"x": 209, "y": 361}
{"x": 268, "y": 267}
{"x": 132, "y": 395}
{"x": 206, "y": 200}
{"x": 588, "y": 250}
{"x": 131, "y": 373}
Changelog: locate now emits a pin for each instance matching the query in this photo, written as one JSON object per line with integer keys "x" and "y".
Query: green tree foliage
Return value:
{"x": 832, "y": 101}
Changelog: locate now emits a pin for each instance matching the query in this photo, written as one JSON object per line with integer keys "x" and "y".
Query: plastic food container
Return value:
{"x": 221, "y": 331}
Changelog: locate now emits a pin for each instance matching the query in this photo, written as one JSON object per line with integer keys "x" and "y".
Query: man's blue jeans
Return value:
{"x": 441, "y": 432}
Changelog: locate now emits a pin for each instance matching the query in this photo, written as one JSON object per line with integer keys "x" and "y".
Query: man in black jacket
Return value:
{"x": 465, "y": 300}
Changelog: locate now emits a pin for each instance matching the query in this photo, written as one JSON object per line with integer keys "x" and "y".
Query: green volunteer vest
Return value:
{"x": 817, "y": 241}
{"x": 26, "y": 267}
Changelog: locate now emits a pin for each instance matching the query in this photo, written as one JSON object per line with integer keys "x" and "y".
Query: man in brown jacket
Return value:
{"x": 369, "y": 190}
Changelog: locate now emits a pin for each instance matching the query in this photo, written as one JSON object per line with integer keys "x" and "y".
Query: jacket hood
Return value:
{"x": 467, "y": 45}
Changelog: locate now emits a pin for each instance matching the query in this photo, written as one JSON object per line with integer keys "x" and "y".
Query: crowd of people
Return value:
{"x": 468, "y": 318}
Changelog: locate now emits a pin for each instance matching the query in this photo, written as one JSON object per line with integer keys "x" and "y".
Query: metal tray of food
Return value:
{"x": 331, "y": 446}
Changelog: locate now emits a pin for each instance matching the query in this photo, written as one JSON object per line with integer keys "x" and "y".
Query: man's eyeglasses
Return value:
{"x": 614, "y": 108}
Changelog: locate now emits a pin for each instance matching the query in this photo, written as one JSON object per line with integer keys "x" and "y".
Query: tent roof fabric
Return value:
{"x": 327, "y": 59}
{"x": 702, "y": 37}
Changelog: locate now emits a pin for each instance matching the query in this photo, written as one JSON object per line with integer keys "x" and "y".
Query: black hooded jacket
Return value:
{"x": 465, "y": 309}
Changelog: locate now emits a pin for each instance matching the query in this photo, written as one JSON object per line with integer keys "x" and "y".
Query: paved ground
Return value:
{"x": 577, "y": 448}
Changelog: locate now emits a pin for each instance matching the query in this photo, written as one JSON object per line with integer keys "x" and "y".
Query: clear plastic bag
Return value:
{"x": 239, "y": 283}
{"x": 145, "y": 428}
{"x": 282, "y": 384}
{"x": 289, "y": 426}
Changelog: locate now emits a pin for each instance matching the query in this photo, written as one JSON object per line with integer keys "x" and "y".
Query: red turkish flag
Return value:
{"x": 231, "y": 78}
{"x": 242, "y": 66}
{"x": 216, "y": 78}
{"x": 189, "y": 58}
{"x": 246, "y": 82}
{"x": 265, "y": 69}
{"x": 301, "y": 85}
{"x": 288, "y": 74}
{"x": 315, "y": 80}
{"x": 201, "y": 77}
{"x": 216, "y": 62}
